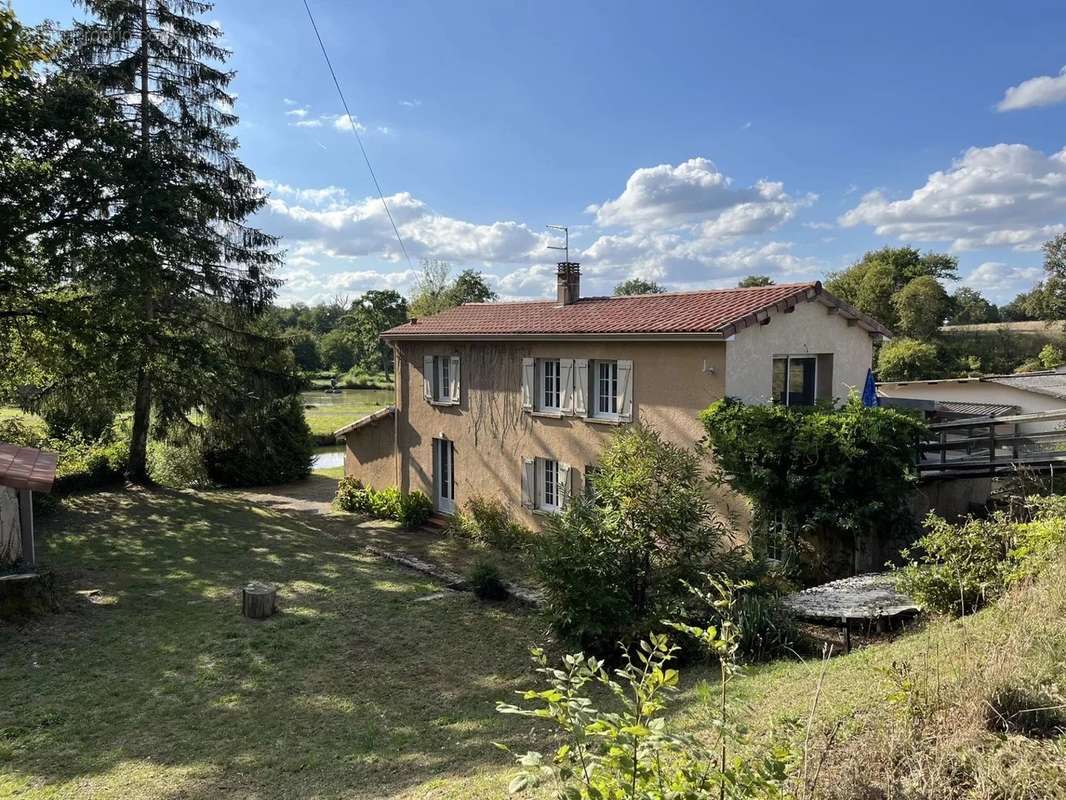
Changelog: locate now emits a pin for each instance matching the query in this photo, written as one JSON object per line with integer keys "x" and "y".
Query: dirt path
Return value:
{"x": 314, "y": 494}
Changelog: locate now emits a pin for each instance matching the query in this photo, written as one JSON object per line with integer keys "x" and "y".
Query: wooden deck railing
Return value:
{"x": 983, "y": 446}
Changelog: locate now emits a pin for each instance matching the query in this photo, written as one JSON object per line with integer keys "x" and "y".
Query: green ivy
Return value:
{"x": 847, "y": 471}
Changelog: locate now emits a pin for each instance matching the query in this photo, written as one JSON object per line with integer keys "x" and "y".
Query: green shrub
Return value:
{"x": 415, "y": 509}
{"x": 82, "y": 463}
{"x": 616, "y": 566}
{"x": 956, "y": 568}
{"x": 386, "y": 503}
{"x": 623, "y": 746}
{"x": 265, "y": 443}
{"x": 488, "y": 521}
{"x": 485, "y": 581}
{"x": 352, "y": 496}
{"x": 177, "y": 464}
{"x": 410, "y": 510}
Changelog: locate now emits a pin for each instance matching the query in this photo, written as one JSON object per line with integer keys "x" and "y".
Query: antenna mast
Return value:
{"x": 566, "y": 241}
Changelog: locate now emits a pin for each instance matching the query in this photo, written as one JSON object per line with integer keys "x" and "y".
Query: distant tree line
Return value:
{"x": 904, "y": 289}
{"x": 343, "y": 336}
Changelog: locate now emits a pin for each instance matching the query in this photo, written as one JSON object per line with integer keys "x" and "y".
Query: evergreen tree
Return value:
{"x": 193, "y": 272}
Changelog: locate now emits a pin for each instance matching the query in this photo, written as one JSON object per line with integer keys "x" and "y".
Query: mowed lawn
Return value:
{"x": 363, "y": 686}
{"x": 330, "y": 412}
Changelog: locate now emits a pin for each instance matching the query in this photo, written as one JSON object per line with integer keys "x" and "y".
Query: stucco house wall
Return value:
{"x": 492, "y": 433}
{"x": 810, "y": 328}
{"x": 370, "y": 454}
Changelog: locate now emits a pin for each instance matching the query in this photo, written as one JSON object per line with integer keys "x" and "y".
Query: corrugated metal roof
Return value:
{"x": 1051, "y": 383}
{"x": 975, "y": 409}
{"x": 27, "y": 468}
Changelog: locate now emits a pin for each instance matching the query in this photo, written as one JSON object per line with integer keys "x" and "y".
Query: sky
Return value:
{"x": 691, "y": 143}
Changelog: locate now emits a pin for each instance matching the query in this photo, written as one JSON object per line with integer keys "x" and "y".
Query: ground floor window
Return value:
{"x": 548, "y": 484}
{"x": 794, "y": 380}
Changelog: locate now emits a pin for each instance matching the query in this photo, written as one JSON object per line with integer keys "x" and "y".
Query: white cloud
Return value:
{"x": 343, "y": 123}
{"x": 308, "y": 123}
{"x": 289, "y": 101}
{"x": 1000, "y": 282}
{"x": 348, "y": 228}
{"x": 1043, "y": 90}
{"x": 412, "y": 103}
{"x": 1006, "y": 195}
{"x": 696, "y": 192}
{"x": 297, "y": 112}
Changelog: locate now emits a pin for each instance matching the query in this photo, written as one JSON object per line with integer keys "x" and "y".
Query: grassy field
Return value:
{"x": 332, "y": 411}
{"x": 160, "y": 689}
{"x": 369, "y": 684}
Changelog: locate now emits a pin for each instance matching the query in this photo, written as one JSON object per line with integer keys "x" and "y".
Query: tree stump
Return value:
{"x": 258, "y": 600}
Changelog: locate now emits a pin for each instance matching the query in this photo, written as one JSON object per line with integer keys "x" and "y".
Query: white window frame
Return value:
{"x": 441, "y": 379}
{"x": 788, "y": 358}
{"x": 548, "y": 490}
{"x": 597, "y": 388}
{"x": 550, "y": 388}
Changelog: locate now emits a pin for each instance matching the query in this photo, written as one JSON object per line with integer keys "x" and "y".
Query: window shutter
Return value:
{"x": 564, "y": 485}
{"x": 625, "y": 390}
{"x": 581, "y": 386}
{"x": 453, "y": 377}
{"x": 529, "y": 481}
{"x": 529, "y": 381}
{"x": 566, "y": 394}
{"x": 427, "y": 378}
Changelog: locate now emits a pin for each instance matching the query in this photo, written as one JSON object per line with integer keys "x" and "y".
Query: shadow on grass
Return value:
{"x": 352, "y": 688}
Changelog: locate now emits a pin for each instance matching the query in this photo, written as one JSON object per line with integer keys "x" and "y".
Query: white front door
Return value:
{"x": 444, "y": 475}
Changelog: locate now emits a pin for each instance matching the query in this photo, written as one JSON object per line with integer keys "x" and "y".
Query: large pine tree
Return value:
{"x": 192, "y": 274}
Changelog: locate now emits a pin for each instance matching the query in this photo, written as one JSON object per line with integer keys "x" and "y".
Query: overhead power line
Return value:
{"x": 358, "y": 138}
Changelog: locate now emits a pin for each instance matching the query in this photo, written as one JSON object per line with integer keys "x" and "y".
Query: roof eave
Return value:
{"x": 712, "y": 336}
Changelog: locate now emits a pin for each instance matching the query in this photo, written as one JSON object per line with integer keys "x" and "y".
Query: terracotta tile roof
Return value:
{"x": 717, "y": 311}
{"x": 26, "y": 468}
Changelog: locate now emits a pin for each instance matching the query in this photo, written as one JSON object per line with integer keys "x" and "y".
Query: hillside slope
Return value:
{"x": 970, "y": 708}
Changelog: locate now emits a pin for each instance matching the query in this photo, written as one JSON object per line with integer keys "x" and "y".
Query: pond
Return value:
{"x": 327, "y": 457}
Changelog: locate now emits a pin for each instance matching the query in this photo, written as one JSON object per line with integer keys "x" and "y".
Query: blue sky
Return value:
{"x": 691, "y": 143}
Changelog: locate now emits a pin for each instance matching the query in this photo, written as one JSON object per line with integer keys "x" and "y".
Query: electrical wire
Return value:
{"x": 358, "y": 138}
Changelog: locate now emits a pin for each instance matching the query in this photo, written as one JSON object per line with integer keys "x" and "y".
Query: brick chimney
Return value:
{"x": 568, "y": 283}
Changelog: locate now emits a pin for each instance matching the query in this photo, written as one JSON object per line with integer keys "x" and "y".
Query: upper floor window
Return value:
{"x": 605, "y": 389}
{"x": 596, "y": 389}
{"x": 551, "y": 384}
{"x": 440, "y": 379}
{"x": 794, "y": 380}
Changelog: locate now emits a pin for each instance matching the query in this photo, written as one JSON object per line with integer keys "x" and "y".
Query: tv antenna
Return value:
{"x": 566, "y": 241}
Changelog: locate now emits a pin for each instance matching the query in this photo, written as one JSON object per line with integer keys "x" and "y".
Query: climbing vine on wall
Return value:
{"x": 847, "y": 471}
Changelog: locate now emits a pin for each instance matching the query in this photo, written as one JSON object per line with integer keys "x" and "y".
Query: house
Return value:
{"x": 23, "y": 471}
{"x": 516, "y": 400}
{"x": 984, "y": 396}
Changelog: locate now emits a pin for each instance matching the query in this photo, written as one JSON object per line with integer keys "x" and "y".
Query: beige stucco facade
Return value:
{"x": 810, "y": 328}
{"x": 672, "y": 381}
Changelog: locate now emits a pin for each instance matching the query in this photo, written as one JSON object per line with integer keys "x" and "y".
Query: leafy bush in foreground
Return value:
{"x": 178, "y": 464}
{"x": 956, "y": 568}
{"x": 631, "y": 752}
{"x": 615, "y": 564}
{"x": 410, "y": 510}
